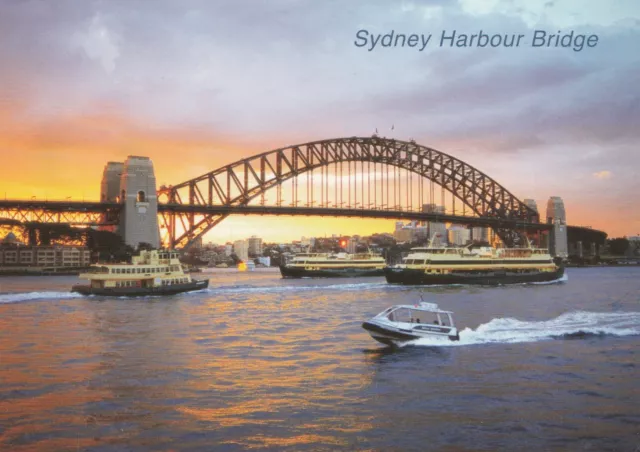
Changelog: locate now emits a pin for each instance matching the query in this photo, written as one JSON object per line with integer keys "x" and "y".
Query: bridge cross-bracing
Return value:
{"x": 245, "y": 181}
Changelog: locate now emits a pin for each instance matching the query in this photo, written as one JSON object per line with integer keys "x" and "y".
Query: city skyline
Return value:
{"x": 200, "y": 87}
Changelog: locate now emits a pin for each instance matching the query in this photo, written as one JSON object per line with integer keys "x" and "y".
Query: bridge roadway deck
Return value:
{"x": 350, "y": 212}
{"x": 97, "y": 206}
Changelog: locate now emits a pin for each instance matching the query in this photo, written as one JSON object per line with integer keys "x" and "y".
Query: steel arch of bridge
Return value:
{"x": 240, "y": 182}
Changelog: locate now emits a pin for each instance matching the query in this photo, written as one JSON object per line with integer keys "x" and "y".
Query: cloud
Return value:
{"x": 99, "y": 43}
{"x": 602, "y": 174}
{"x": 256, "y": 76}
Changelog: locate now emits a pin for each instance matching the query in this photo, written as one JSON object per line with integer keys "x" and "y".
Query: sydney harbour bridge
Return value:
{"x": 364, "y": 177}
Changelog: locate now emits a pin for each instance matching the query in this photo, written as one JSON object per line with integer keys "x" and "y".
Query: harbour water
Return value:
{"x": 260, "y": 363}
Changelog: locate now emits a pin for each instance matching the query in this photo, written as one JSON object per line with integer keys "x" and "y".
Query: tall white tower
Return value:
{"x": 558, "y": 241}
{"x": 139, "y": 218}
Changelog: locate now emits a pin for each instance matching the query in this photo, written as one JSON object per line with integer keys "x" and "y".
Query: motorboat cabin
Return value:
{"x": 402, "y": 323}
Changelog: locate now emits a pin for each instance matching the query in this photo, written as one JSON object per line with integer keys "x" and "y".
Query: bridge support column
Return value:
{"x": 139, "y": 218}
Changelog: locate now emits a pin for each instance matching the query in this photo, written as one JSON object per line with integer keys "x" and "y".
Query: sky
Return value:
{"x": 195, "y": 85}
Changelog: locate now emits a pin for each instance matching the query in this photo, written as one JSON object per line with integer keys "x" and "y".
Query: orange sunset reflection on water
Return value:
{"x": 114, "y": 369}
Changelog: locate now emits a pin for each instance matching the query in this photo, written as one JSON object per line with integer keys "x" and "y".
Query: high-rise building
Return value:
{"x": 308, "y": 242}
{"x": 558, "y": 241}
{"x": 241, "y": 249}
{"x": 459, "y": 236}
{"x": 255, "y": 246}
{"x": 555, "y": 211}
{"x": 435, "y": 228}
{"x": 410, "y": 232}
{"x": 352, "y": 244}
{"x": 531, "y": 203}
{"x": 480, "y": 234}
{"x": 403, "y": 233}
{"x": 197, "y": 243}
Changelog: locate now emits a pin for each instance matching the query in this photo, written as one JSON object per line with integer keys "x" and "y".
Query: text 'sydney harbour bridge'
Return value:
{"x": 369, "y": 177}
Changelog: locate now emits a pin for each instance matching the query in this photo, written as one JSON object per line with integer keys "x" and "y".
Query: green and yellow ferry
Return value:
{"x": 153, "y": 272}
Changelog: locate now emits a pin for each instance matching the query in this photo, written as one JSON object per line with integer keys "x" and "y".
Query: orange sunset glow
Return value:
{"x": 99, "y": 87}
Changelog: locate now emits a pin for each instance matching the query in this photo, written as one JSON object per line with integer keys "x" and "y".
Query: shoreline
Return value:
{"x": 22, "y": 271}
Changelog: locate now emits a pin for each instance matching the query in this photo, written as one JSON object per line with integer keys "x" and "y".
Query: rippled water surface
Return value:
{"x": 261, "y": 363}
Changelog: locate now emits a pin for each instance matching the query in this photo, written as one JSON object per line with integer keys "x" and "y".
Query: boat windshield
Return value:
{"x": 410, "y": 315}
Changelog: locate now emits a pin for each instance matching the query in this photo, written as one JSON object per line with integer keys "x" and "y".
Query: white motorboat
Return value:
{"x": 402, "y": 323}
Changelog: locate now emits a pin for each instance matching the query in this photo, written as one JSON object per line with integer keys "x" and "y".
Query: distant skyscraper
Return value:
{"x": 480, "y": 234}
{"x": 459, "y": 236}
{"x": 352, "y": 245}
{"x": 241, "y": 249}
{"x": 555, "y": 210}
{"x": 531, "y": 203}
{"x": 255, "y": 246}
{"x": 436, "y": 227}
{"x": 558, "y": 241}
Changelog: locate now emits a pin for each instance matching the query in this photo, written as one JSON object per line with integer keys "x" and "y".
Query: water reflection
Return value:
{"x": 290, "y": 368}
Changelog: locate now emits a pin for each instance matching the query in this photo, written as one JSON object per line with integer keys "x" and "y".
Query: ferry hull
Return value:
{"x": 140, "y": 291}
{"x": 293, "y": 272}
{"x": 490, "y": 278}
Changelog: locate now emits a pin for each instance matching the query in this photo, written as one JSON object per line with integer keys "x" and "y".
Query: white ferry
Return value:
{"x": 150, "y": 273}
{"x": 334, "y": 265}
{"x": 475, "y": 265}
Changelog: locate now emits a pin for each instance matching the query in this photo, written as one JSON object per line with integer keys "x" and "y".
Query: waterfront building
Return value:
{"x": 241, "y": 249}
{"x": 459, "y": 236}
{"x": 50, "y": 256}
{"x": 197, "y": 244}
{"x": 531, "y": 203}
{"x": 634, "y": 245}
{"x": 436, "y": 227}
{"x": 308, "y": 241}
{"x": 410, "y": 232}
{"x": 480, "y": 234}
{"x": 352, "y": 244}
{"x": 558, "y": 240}
{"x": 265, "y": 260}
{"x": 254, "y": 246}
